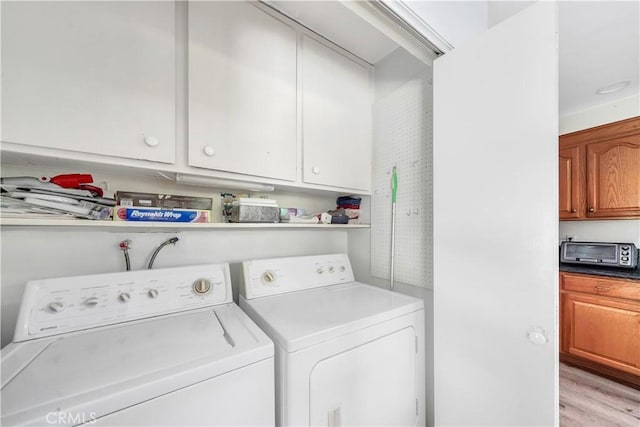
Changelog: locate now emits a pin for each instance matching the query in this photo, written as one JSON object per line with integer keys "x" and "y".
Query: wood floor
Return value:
{"x": 587, "y": 400}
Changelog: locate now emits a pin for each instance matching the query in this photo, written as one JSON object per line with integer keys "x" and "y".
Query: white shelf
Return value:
{"x": 159, "y": 226}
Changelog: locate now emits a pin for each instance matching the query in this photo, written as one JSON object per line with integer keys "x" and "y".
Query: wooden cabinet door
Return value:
{"x": 90, "y": 77}
{"x": 242, "y": 90}
{"x": 336, "y": 118}
{"x": 571, "y": 191}
{"x": 605, "y": 331}
{"x": 613, "y": 177}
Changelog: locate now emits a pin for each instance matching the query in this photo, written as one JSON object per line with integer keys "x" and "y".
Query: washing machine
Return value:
{"x": 151, "y": 347}
{"x": 346, "y": 353}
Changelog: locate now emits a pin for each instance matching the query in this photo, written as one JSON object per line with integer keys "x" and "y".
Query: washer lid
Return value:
{"x": 301, "y": 319}
{"x": 96, "y": 372}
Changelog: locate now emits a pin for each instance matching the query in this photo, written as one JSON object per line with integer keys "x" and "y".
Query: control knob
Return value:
{"x": 268, "y": 277}
{"x": 90, "y": 302}
{"x": 152, "y": 293}
{"x": 56, "y": 307}
{"x": 202, "y": 286}
{"x": 124, "y": 297}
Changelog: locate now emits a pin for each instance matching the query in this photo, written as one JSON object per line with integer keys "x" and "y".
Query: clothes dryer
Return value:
{"x": 347, "y": 353}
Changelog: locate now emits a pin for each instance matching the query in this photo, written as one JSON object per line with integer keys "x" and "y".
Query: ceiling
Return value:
{"x": 599, "y": 44}
{"x": 599, "y": 41}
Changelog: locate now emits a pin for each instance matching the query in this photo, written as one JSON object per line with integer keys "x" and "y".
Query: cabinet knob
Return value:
{"x": 574, "y": 210}
{"x": 315, "y": 170}
{"x": 151, "y": 141}
{"x": 600, "y": 288}
{"x": 209, "y": 151}
{"x": 592, "y": 210}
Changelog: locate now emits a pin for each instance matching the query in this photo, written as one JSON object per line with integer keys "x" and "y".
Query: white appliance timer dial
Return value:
{"x": 269, "y": 277}
{"x": 202, "y": 286}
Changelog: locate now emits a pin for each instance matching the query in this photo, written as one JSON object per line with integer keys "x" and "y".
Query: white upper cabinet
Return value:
{"x": 91, "y": 77}
{"x": 242, "y": 91}
{"x": 336, "y": 118}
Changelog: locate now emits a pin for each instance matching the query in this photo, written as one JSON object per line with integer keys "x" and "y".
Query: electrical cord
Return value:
{"x": 172, "y": 240}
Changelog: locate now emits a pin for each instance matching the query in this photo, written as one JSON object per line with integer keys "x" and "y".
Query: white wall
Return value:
{"x": 34, "y": 253}
{"x": 498, "y": 11}
{"x": 456, "y": 21}
{"x": 621, "y": 109}
{"x": 627, "y": 230}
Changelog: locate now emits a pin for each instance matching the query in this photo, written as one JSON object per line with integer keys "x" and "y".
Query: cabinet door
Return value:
{"x": 602, "y": 330}
{"x": 613, "y": 178}
{"x": 242, "y": 90}
{"x": 92, "y": 77}
{"x": 336, "y": 118}
{"x": 571, "y": 183}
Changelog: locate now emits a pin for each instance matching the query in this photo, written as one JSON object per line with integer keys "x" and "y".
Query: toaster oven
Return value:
{"x": 604, "y": 254}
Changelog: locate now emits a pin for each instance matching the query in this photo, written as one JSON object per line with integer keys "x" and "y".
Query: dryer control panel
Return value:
{"x": 274, "y": 276}
{"x": 67, "y": 304}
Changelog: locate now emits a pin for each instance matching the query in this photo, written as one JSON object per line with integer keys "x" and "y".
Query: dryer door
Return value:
{"x": 372, "y": 384}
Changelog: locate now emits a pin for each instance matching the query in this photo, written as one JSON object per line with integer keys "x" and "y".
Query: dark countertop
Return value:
{"x": 623, "y": 273}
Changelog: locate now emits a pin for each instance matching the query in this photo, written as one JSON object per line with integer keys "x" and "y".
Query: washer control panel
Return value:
{"x": 60, "y": 305}
{"x": 281, "y": 275}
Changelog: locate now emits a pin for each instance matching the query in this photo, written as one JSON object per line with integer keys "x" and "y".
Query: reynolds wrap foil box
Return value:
{"x": 134, "y": 213}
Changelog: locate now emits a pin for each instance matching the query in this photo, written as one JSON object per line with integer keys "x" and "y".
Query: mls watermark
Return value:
{"x": 73, "y": 418}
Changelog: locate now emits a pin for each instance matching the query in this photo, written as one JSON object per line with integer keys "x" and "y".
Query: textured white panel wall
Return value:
{"x": 403, "y": 138}
{"x": 402, "y": 129}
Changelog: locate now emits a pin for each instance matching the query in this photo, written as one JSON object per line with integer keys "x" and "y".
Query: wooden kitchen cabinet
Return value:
{"x": 600, "y": 172}
{"x": 336, "y": 118}
{"x": 600, "y": 324}
{"x": 242, "y": 91}
{"x": 90, "y": 77}
{"x": 572, "y": 181}
{"x": 613, "y": 178}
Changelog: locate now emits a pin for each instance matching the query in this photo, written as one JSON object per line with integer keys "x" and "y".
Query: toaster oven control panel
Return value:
{"x": 625, "y": 255}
